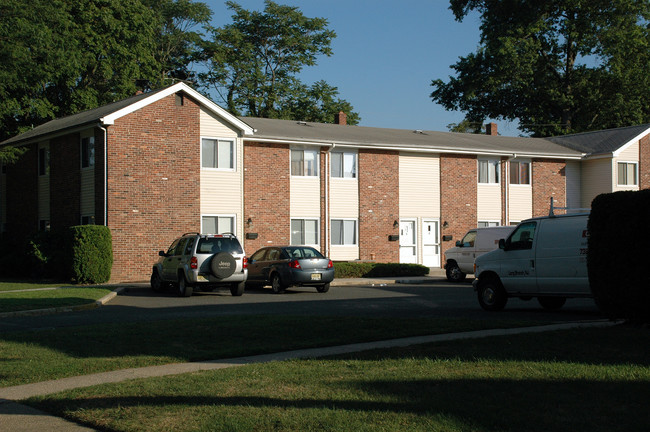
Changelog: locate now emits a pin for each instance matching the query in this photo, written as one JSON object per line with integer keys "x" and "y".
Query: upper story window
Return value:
{"x": 520, "y": 173}
{"x": 627, "y": 174}
{"x": 88, "y": 152}
{"x": 216, "y": 153}
{"x": 344, "y": 164}
{"x": 488, "y": 171}
{"x": 43, "y": 161}
{"x": 304, "y": 163}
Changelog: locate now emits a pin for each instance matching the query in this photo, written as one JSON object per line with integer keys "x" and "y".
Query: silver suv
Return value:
{"x": 201, "y": 260}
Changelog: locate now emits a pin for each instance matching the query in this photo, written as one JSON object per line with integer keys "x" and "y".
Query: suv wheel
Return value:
{"x": 184, "y": 289}
{"x": 237, "y": 288}
{"x": 156, "y": 281}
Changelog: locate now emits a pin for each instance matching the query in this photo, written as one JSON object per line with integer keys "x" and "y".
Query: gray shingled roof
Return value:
{"x": 290, "y": 130}
{"x": 76, "y": 120}
{"x": 600, "y": 142}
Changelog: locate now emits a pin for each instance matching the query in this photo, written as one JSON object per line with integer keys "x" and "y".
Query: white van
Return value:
{"x": 544, "y": 257}
{"x": 477, "y": 241}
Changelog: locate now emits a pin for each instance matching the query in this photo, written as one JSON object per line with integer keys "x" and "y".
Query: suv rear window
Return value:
{"x": 212, "y": 245}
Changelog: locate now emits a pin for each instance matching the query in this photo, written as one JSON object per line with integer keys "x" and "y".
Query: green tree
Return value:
{"x": 316, "y": 103}
{"x": 253, "y": 63}
{"x": 558, "y": 66}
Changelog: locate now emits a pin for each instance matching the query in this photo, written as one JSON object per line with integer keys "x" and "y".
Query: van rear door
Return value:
{"x": 562, "y": 256}
{"x": 518, "y": 272}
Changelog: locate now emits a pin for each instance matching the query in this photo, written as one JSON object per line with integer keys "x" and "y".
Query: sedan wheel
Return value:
{"x": 323, "y": 288}
{"x": 276, "y": 284}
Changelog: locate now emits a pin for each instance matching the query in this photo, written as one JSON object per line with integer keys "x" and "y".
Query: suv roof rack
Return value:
{"x": 551, "y": 212}
{"x": 190, "y": 233}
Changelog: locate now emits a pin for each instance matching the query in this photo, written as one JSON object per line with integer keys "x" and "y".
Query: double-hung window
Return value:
{"x": 43, "y": 161}
{"x": 344, "y": 164}
{"x": 88, "y": 152}
{"x": 304, "y": 163}
{"x": 520, "y": 173}
{"x": 217, "y": 153}
{"x": 487, "y": 224}
{"x": 488, "y": 171}
{"x": 304, "y": 232}
{"x": 627, "y": 174}
{"x": 217, "y": 224}
{"x": 344, "y": 232}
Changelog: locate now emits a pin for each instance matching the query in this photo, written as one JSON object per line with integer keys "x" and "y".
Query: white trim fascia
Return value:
{"x": 599, "y": 156}
{"x": 412, "y": 149}
{"x": 211, "y": 106}
{"x": 634, "y": 140}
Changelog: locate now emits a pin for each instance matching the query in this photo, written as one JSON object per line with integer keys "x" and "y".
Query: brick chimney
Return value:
{"x": 341, "y": 118}
{"x": 491, "y": 129}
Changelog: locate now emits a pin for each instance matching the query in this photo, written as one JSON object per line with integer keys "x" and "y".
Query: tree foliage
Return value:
{"x": 558, "y": 66}
{"x": 253, "y": 63}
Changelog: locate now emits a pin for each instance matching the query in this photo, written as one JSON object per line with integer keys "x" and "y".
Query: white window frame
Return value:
{"x": 488, "y": 223}
{"x": 347, "y": 157}
{"x": 233, "y": 217}
{"x": 490, "y": 164}
{"x": 316, "y": 170}
{"x": 519, "y": 183}
{"x": 304, "y": 219}
{"x": 89, "y": 161}
{"x": 343, "y": 220}
{"x": 216, "y": 156}
{"x": 618, "y": 173}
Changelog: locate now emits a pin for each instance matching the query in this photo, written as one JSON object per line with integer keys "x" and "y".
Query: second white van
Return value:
{"x": 544, "y": 257}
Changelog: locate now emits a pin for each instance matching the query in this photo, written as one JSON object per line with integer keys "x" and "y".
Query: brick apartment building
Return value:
{"x": 171, "y": 161}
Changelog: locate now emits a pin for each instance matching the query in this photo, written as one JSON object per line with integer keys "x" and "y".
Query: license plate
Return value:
{"x": 315, "y": 276}
{"x": 201, "y": 278}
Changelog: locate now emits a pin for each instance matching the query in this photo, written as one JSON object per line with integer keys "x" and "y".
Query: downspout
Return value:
{"x": 328, "y": 241}
{"x": 105, "y": 176}
{"x": 507, "y": 190}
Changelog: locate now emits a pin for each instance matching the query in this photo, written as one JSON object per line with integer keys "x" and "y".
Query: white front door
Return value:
{"x": 430, "y": 243}
{"x": 407, "y": 242}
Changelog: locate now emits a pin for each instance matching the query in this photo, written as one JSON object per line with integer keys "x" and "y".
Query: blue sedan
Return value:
{"x": 285, "y": 266}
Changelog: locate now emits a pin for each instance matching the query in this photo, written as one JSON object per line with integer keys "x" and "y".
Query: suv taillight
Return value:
{"x": 295, "y": 264}
{"x": 194, "y": 263}
{"x": 245, "y": 263}
{"x": 330, "y": 264}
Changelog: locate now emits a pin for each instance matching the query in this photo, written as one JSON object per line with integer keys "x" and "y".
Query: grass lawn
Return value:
{"x": 42, "y": 355}
{"x": 42, "y": 299}
{"x": 576, "y": 380}
{"x": 6, "y": 285}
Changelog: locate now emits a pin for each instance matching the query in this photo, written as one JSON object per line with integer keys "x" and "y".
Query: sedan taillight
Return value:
{"x": 194, "y": 264}
{"x": 295, "y": 264}
{"x": 330, "y": 264}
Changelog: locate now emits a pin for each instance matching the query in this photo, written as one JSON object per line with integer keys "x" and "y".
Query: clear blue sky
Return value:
{"x": 385, "y": 55}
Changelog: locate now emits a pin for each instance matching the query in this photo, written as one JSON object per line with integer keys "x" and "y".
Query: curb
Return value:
{"x": 50, "y": 311}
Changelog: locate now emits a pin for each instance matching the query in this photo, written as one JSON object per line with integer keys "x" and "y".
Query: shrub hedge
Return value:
{"x": 92, "y": 253}
{"x": 618, "y": 254}
{"x": 368, "y": 270}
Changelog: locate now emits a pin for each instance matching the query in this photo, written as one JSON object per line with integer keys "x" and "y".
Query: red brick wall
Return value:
{"x": 644, "y": 162}
{"x": 65, "y": 184}
{"x": 153, "y": 183}
{"x": 458, "y": 192}
{"x": 378, "y": 204}
{"x": 266, "y": 194}
{"x": 548, "y": 180}
{"x": 22, "y": 194}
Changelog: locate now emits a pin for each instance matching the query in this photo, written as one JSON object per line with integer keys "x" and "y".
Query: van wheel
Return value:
{"x": 491, "y": 295}
{"x": 184, "y": 289}
{"x": 551, "y": 303}
{"x": 454, "y": 274}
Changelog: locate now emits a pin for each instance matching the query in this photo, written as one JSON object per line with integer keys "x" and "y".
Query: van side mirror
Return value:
{"x": 502, "y": 244}
{"x": 458, "y": 243}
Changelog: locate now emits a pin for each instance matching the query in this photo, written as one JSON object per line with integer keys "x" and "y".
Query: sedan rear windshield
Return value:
{"x": 212, "y": 245}
{"x": 302, "y": 252}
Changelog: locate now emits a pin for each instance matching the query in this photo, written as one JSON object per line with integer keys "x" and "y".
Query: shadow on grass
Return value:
{"x": 480, "y": 404}
{"x": 29, "y": 304}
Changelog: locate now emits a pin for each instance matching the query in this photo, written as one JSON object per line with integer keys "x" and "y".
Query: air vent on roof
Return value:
{"x": 303, "y": 123}
{"x": 418, "y": 131}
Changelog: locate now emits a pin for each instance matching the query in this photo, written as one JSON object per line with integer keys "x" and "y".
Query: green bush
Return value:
{"x": 368, "y": 270}
{"x": 91, "y": 253}
{"x": 618, "y": 254}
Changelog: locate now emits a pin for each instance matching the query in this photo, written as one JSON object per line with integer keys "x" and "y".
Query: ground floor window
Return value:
{"x": 304, "y": 232}
{"x": 217, "y": 224}
{"x": 627, "y": 174}
{"x": 486, "y": 224}
{"x": 344, "y": 232}
{"x": 87, "y": 220}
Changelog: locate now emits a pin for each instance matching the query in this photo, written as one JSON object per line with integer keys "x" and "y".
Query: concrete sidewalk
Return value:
{"x": 15, "y": 417}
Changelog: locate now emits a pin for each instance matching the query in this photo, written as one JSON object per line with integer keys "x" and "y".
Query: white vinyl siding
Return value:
{"x": 488, "y": 202}
{"x": 213, "y": 126}
{"x": 520, "y": 202}
{"x": 596, "y": 177}
{"x": 344, "y": 204}
{"x": 419, "y": 186}
{"x": 626, "y": 168}
{"x": 305, "y": 197}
